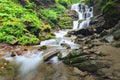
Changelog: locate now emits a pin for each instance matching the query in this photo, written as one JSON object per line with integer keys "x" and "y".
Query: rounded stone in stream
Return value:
{"x": 12, "y": 54}
{"x": 63, "y": 44}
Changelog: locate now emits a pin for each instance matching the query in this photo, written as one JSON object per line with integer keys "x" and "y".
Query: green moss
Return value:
{"x": 111, "y": 13}
{"x": 109, "y": 5}
{"x": 65, "y": 22}
{"x": 45, "y": 27}
{"x": 68, "y": 1}
{"x": 28, "y": 39}
{"x": 60, "y": 56}
{"x": 58, "y": 8}
{"x": 22, "y": 25}
{"x": 50, "y": 14}
{"x": 43, "y": 47}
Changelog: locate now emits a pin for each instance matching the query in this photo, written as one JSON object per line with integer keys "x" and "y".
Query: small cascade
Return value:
{"x": 84, "y": 13}
{"x": 59, "y": 39}
{"x": 26, "y": 65}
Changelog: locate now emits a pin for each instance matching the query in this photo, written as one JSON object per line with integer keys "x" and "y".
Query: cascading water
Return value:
{"x": 84, "y": 13}
{"x": 30, "y": 65}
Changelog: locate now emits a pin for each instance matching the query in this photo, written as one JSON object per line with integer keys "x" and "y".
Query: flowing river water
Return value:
{"x": 31, "y": 65}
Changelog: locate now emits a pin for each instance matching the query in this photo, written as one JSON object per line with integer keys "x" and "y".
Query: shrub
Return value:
{"x": 65, "y": 22}
{"x": 58, "y": 8}
{"x": 50, "y": 14}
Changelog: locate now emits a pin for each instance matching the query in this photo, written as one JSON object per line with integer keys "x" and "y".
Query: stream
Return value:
{"x": 31, "y": 65}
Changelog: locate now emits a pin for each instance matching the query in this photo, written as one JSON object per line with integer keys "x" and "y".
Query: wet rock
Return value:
{"x": 87, "y": 66}
{"x": 84, "y": 32}
{"x": 79, "y": 72}
{"x": 116, "y": 27}
{"x": 108, "y": 39}
{"x": 73, "y": 60}
{"x": 93, "y": 22}
{"x": 109, "y": 73}
{"x": 91, "y": 65}
{"x": 104, "y": 32}
{"x": 73, "y": 14}
{"x": 50, "y": 54}
{"x": 64, "y": 44}
{"x": 116, "y": 44}
{"x": 90, "y": 45}
{"x": 116, "y": 35}
{"x": 90, "y": 77}
{"x": 100, "y": 53}
{"x": 104, "y": 72}
{"x": 12, "y": 54}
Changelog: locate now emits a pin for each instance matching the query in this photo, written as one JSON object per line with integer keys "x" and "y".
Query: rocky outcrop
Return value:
{"x": 98, "y": 49}
{"x": 96, "y": 57}
{"x": 73, "y": 14}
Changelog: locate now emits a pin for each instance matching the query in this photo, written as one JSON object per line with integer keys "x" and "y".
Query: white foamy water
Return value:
{"x": 59, "y": 39}
{"x": 84, "y": 13}
{"x": 26, "y": 64}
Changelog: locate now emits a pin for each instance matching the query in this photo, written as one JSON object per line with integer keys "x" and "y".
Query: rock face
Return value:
{"x": 116, "y": 31}
{"x": 97, "y": 58}
{"x": 99, "y": 48}
{"x": 73, "y": 14}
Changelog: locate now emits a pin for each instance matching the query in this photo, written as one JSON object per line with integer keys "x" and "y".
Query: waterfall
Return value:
{"x": 84, "y": 13}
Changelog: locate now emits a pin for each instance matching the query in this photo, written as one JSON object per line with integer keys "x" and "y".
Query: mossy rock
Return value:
{"x": 59, "y": 56}
{"x": 43, "y": 47}
{"x": 77, "y": 59}
{"x": 116, "y": 34}
{"x": 111, "y": 12}
{"x": 87, "y": 66}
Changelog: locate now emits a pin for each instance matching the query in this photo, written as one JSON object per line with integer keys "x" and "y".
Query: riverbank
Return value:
{"x": 99, "y": 50}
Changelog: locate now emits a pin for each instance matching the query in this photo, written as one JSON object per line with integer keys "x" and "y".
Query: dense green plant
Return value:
{"x": 50, "y": 14}
{"x": 65, "y": 22}
{"x": 43, "y": 47}
{"x": 58, "y": 8}
{"x": 21, "y": 24}
{"x": 28, "y": 39}
{"x": 68, "y": 1}
{"x": 109, "y": 5}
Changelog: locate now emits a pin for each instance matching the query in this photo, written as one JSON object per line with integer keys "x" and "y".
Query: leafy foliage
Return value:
{"x": 65, "y": 22}
{"x": 58, "y": 8}
{"x": 50, "y": 14}
{"x": 20, "y": 24}
{"x": 109, "y": 5}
